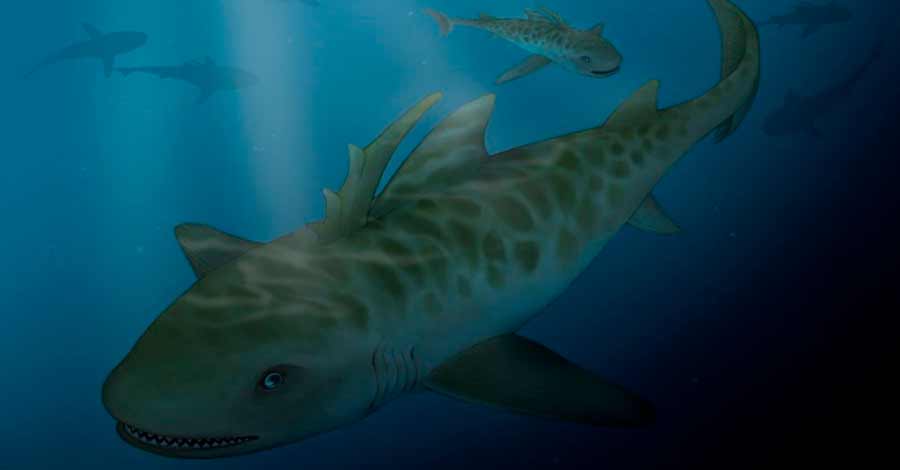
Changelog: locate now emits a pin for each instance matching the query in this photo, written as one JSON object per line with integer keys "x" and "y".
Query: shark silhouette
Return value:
{"x": 812, "y": 17}
{"x": 419, "y": 287}
{"x": 204, "y": 74}
{"x": 100, "y": 46}
{"x": 798, "y": 113}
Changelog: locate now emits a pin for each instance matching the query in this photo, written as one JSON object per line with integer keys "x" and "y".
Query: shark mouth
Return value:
{"x": 163, "y": 442}
{"x": 604, "y": 73}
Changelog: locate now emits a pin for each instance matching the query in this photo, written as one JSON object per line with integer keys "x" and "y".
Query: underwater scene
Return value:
{"x": 444, "y": 234}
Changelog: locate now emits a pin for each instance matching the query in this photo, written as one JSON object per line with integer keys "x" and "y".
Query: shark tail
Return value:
{"x": 740, "y": 48}
{"x": 443, "y": 21}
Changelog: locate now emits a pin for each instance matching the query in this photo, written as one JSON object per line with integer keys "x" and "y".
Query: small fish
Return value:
{"x": 812, "y": 17}
{"x": 549, "y": 38}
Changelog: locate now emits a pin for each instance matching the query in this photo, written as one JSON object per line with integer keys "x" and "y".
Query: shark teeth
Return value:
{"x": 192, "y": 443}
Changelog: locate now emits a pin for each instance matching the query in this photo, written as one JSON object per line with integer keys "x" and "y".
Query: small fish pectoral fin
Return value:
{"x": 517, "y": 374}
{"x": 531, "y": 64}
{"x": 208, "y": 249}
{"x": 109, "y": 62}
{"x": 651, "y": 217}
{"x": 91, "y": 30}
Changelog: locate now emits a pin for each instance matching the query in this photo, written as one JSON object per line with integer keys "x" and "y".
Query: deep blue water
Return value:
{"x": 726, "y": 327}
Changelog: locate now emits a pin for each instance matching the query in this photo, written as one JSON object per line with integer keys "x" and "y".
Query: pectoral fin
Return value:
{"x": 517, "y": 374}
{"x": 530, "y": 64}
{"x": 108, "y": 63}
{"x": 208, "y": 249}
{"x": 651, "y": 217}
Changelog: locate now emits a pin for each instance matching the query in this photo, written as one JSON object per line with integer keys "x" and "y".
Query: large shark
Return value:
{"x": 204, "y": 74}
{"x": 798, "y": 113}
{"x": 812, "y": 16}
{"x": 419, "y": 287}
{"x": 550, "y": 40}
{"x": 100, "y": 46}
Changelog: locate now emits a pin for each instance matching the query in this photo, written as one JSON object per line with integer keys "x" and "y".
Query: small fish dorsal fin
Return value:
{"x": 208, "y": 249}
{"x": 347, "y": 210}
{"x": 641, "y": 106}
{"x": 449, "y": 153}
{"x": 91, "y": 30}
{"x": 547, "y": 15}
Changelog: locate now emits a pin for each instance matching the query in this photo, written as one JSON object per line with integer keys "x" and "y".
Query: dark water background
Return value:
{"x": 753, "y": 332}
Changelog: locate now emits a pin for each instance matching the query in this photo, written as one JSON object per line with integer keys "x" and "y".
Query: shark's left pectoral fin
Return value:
{"x": 529, "y": 65}
{"x": 207, "y": 248}
{"x": 517, "y": 374}
{"x": 651, "y": 217}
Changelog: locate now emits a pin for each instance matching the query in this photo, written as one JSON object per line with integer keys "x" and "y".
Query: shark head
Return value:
{"x": 592, "y": 55}
{"x": 237, "y": 365}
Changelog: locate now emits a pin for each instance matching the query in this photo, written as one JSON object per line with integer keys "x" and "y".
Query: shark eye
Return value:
{"x": 586, "y": 59}
{"x": 271, "y": 381}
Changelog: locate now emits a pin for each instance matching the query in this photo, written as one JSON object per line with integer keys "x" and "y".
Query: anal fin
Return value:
{"x": 651, "y": 217}
{"x": 518, "y": 374}
{"x": 529, "y": 65}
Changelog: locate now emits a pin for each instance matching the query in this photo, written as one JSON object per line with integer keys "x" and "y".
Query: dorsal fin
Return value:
{"x": 208, "y": 249}
{"x": 91, "y": 30}
{"x": 641, "y": 105}
{"x": 450, "y": 152}
{"x": 598, "y": 29}
{"x": 546, "y": 15}
{"x": 347, "y": 210}
{"x": 535, "y": 15}
{"x": 485, "y": 16}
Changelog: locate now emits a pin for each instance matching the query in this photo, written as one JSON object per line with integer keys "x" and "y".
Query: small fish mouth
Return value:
{"x": 605, "y": 73}
{"x": 179, "y": 446}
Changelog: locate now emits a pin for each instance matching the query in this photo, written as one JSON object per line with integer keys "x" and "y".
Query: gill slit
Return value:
{"x": 396, "y": 371}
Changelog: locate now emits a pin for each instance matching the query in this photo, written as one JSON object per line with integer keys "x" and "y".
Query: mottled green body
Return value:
{"x": 458, "y": 250}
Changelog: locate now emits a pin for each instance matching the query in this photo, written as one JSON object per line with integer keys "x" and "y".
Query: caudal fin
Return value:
{"x": 740, "y": 47}
{"x": 445, "y": 23}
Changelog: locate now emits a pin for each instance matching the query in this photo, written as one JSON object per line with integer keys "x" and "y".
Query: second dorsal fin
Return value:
{"x": 347, "y": 210}
{"x": 452, "y": 150}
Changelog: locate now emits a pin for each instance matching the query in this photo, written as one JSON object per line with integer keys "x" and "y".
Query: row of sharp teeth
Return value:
{"x": 184, "y": 442}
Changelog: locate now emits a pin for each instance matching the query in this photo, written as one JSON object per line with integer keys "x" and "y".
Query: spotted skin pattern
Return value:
{"x": 447, "y": 264}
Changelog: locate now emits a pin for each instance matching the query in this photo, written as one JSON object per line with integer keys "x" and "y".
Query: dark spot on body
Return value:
{"x": 528, "y": 255}
{"x": 513, "y": 213}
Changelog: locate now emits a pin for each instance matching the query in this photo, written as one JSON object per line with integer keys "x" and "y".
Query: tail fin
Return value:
{"x": 445, "y": 23}
{"x": 740, "y": 39}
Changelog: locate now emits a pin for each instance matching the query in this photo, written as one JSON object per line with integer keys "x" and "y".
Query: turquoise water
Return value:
{"x": 97, "y": 172}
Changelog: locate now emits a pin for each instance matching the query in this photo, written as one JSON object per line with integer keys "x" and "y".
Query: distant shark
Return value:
{"x": 549, "y": 38}
{"x": 100, "y": 46}
{"x": 798, "y": 114}
{"x": 419, "y": 287}
{"x": 204, "y": 74}
{"x": 313, "y": 3}
{"x": 812, "y": 17}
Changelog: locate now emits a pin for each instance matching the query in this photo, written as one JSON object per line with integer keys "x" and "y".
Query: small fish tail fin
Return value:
{"x": 443, "y": 21}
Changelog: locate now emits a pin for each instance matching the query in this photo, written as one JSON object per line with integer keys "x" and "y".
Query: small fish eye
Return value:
{"x": 586, "y": 59}
{"x": 271, "y": 381}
